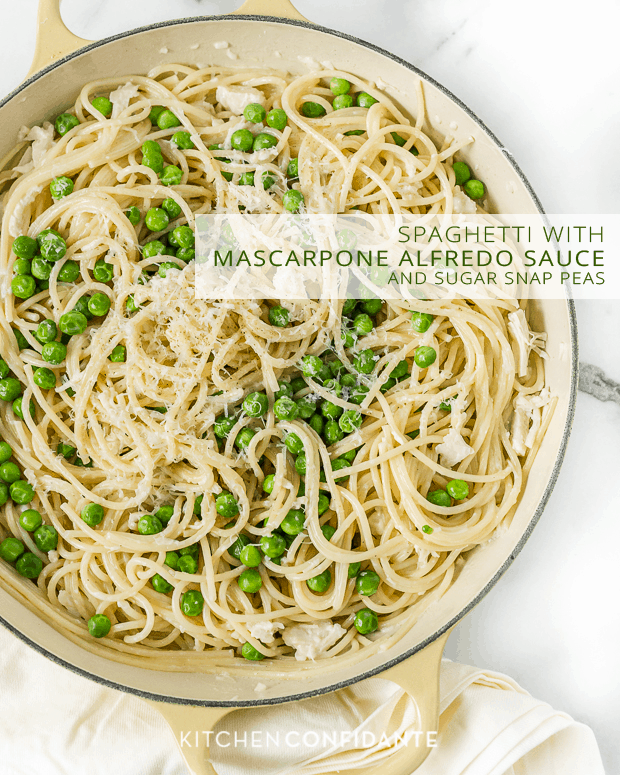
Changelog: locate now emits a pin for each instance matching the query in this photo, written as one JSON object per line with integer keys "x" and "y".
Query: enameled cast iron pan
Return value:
{"x": 63, "y": 63}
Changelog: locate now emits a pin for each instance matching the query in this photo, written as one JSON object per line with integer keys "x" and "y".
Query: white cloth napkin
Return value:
{"x": 54, "y": 722}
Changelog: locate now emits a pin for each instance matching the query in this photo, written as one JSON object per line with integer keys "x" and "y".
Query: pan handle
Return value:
{"x": 54, "y": 40}
{"x": 283, "y": 9}
{"x": 418, "y": 676}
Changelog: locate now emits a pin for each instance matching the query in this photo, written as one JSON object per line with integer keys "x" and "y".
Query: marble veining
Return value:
{"x": 547, "y": 83}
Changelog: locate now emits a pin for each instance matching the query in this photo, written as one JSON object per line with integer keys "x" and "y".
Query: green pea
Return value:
{"x": 61, "y": 187}
{"x": 10, "y": 389}
{"x": 462, "y": 173}
{"x": 193, "y": 550}
{"x": 268, "y": 483}
{"x": 153, "y": 248}
{"x": 332, "y": 432}
{"x": 292, "y": 200}
{"x": 54, "y": 353}
{"x": 21, "y": 340}
{"x": 4, "y": 493}
{"x": 328, "y": 531}
{"x": 285, "y": 409}
{"x": 183, "y": 237}
{"x": 278, "y": 316}
{"x": 186, "y": 254}
{"x": 254, "y": 113}
{"x": 99, "y": 626}
{"x": 73, "y": 323}
{"x": 155, "y": 113}
{"x": 474, "y": 189}
{"x": 372, "y": 306}
{"x": 44, "y": 378}
{"x": 311, "y": 365}
{"x": 250, "y": 580}
{"x": 277, "y": 119}
{"x": 421, "y": 321}
{"x": 427, "y": 529}
{"x": 355, "y": 132}
{"x": 152, "y": 156}
{"x": 347, "y": 338}
{"x": 9, "y": 472}
{"x": 363, "y": 324}
{"x": 157, "y": 219}
{"x": 149, "y": 525}
{"x": 284, "y": 390}
{"x": 324, "y": 501}
{"x": 250, "y": 556}
{"x": 17, "y": 408}
{"x": 235, "y": 549}
{"x": 21, "y": 492}
{"x": 182, "y": 140}
{"x": 25, "y": 247}
{"x": 350, "y": 421}
{"x": 99, "y": 304}
{"x": 167, "y": 120}
{"x": 172, "y": 560}
{"x": 66, "y": 450}
{"x": 294, "y": 522}
{"x": 366, "y": 621}
{"x": 46, "y": 538}
{"x": 22, "y": 266}
{"x": 273, "y": 545}
{"x": 256, "y": 404}
{"x": 292, "y": 170}
{"x": 343, "y": 101}
{"x": 92, "y": 514}
{"x": 365, "y": 100}
{"x": 29, "y": 565}
{"x": 312, "y": 110}
{"x": 294, "y": 444}
{"x": 458, "y": 489}
{"x": 11, "y": 548}
{"x": 133, "y": 214}
{"x": 307, "y": 407}
{"x": 160, "y": 584}
{"x": 23, "y": 286}
{"x": 414, "y": 434}
{"x": 30, "y": 520}
{"x": 321, "y": 582}
{"x": 69, "y": 272}
{"x": 358, "y": 394}
{"x": 118, "y": 354}
{"x": 297, "y": 384}
{"x": 365, "y": 361}
{"x": 223, "y": 426}
{"x": 188, "y": 564}
{"x": 242, "y": 140}
{"x": 263, "y": 141}
{"x": 244, "y": 438}
{"x": 52, "y": 245}
{"x": 5, "y": 452}
{"x": 227, "y": 505}
{"x": 65, "y": 122}
{"x": 249, "y": 652}
{"x": 81, "y": 464}
{"x": 4, "y": 369}
{"x": 300, "y": 465}
{"x": 387, "y": 385}
{"x": 425, "y": 356}
{"x": 103, "y": 105}
{"x": 439, "y": 498}
{"x": 354, "y": 569}
{"x": 317, "y": 423}
{"x": 330, "y": 411}
{"x": 171, "y": 176}
{"x": 339, "y": 86}
{"x": 192, "y": 602}
{"x": 367, "y": 582}
{"x": 164, "y": 514}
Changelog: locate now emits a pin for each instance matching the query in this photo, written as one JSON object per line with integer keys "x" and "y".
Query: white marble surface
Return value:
{"x": 544, "y": 77}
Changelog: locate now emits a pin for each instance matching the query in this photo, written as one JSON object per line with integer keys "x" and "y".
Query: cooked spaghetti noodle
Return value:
{"x": 147, "y": 424}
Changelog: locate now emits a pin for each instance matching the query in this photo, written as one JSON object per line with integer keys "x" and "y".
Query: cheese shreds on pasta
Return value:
{"x": 143, "y": 431}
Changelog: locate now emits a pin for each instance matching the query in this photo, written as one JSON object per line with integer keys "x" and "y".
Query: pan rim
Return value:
{"x": 375, "y": 671}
